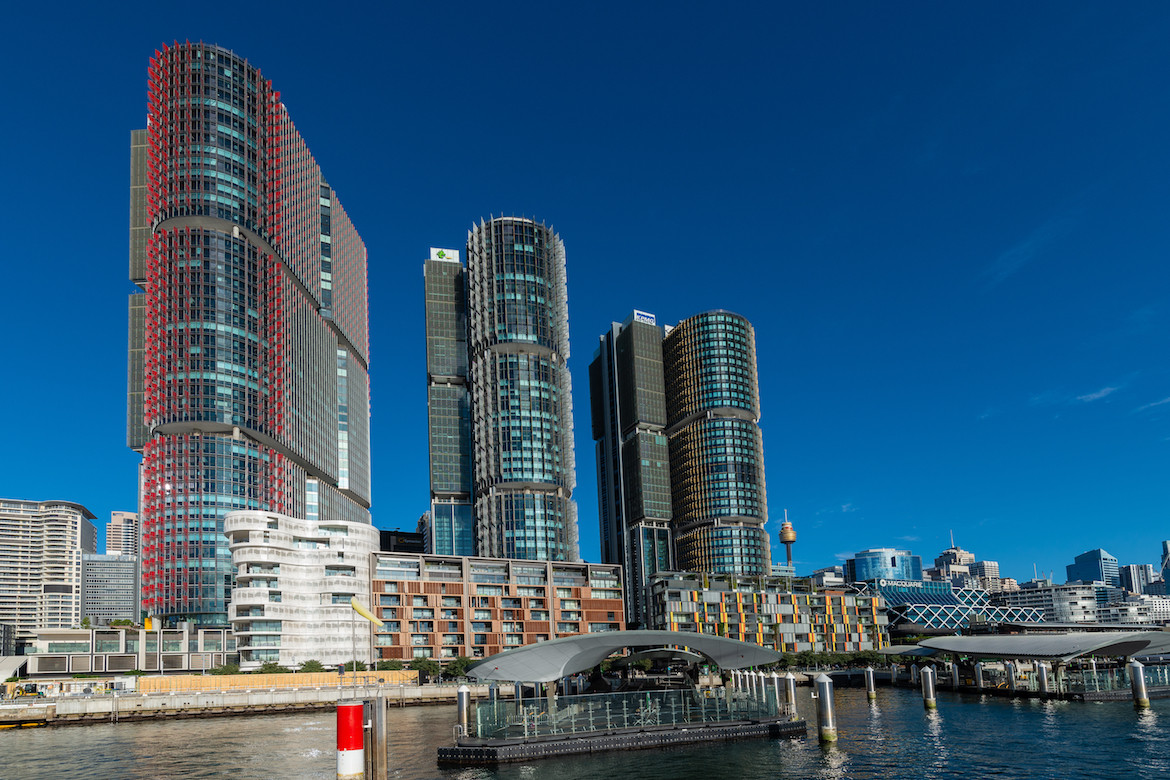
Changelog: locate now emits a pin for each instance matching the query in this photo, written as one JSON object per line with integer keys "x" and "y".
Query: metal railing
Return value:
{"x": 568, "y": 715}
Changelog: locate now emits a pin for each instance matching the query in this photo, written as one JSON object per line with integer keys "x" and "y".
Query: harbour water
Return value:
{"x": 967, "y": 737}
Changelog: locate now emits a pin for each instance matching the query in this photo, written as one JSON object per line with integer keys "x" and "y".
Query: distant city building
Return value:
{"x": 1136, "y": 610}
{"x": 109, "y": 588}
{"x": 954, "y": 566}
{"x": 783, "y": 570}
{"x": 122, "y": 534}
{"x": 449, "y": 525}
{"x": 248, "y": 378}
{"x": 766, "y": 611}
{"x": 986, "y": 575}
{"x": 500, "y": 395}
{"x": 883, "y": 563}
{"x": 828, "y": 577}
{"x": 680, "y": 465}
{"x": 41, "y": 545}
{"x": 1069, "y": 603}
{"x": 118, "y": 650}
{"x": 1094, "y": 566}
{"x": 7, "y": 640}
{"x": 401, "y": 541}
{"x": 1008, "y": 585}
{"x": 1136, "y": 577}
{"x": 443, "y": 607}
{"x": 928, "y": 606}
{"x": 295, "y": 579}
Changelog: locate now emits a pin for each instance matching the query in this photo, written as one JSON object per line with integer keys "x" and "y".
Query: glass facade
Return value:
{"x": 883, "y": 563}
{"x": 716, "y": 447}
{"x": 628, "y": 405}
{"x": 449, "y": 527}
{"x": 254, "y": 288}
{"x": 521, "y": 407}
{"x": 1094, "y": 566}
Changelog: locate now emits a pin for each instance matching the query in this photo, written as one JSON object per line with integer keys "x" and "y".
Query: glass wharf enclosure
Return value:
{"x": 500, "y": 396}
{"x": 248, "y": 337}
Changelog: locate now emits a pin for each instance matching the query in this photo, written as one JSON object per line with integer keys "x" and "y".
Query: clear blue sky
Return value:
{"x": 947, "y": 222}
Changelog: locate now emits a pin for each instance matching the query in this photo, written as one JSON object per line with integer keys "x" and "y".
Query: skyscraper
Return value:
{"x": 679, "y": 452}
{"x": 1135, "y": 577}
{"x": 1094, "y": 566}
{"x": 122, "y": 534}
{"x": 41, "y": 546}
{"x": 520, "y": 391}
{"x": 628, "y": 402}
{"x": 716, "y": 447}
{"x": 249, "y": 340}
{"x": 449, "y": 526}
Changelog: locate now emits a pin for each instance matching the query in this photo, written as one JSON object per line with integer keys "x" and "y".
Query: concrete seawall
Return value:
{"x": 202, "y": 704}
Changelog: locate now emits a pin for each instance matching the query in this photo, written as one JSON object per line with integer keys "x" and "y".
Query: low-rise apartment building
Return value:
{"x": 446, "y": 606}
{"x": 764, "y": 610}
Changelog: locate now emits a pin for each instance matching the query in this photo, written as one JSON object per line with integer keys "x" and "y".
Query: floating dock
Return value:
{"x": 485, "y": 752}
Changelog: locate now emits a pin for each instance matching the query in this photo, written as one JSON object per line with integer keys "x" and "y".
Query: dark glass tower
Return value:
{"x": 449, "y": 526}
{"x": 716, "y": 448}
{"x": 248, "y": 343}
{"x": 521, "y": 404}
{"x": 628, "y": 403}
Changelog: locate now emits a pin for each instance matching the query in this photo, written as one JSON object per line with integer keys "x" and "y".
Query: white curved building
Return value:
{"x": 294, "y": 582}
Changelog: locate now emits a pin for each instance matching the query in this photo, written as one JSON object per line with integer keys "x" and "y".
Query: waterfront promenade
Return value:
{"x": 203, "y": 703}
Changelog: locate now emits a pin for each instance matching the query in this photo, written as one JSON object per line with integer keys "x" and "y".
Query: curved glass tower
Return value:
{"x": 716, "y": 447}
{"x": 248, "y": 386}
{"x": 521, "y": 404}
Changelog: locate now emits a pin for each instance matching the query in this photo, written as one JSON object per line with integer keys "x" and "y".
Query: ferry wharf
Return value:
{"x": 1075, "y": 666}
{"x": 567, "y": 720}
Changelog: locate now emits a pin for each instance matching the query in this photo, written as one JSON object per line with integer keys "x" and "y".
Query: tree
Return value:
{"x": 426, "y": 667}
{"x": 388, "y": 666}
{"x": 457, "y": 667}
{"x": 225, "y": 669}
{"x": 359, "y": 666}
{"x": 312, "y": 665}
{"x": 85, "y": 623}
{"x": 272, "y": 667}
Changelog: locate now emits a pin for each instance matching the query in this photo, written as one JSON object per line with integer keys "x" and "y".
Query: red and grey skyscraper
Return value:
{"x": 248, "y": 385}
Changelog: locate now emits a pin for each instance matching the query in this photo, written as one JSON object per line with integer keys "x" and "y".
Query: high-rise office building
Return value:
{"x": 122, "y": 534}
{"x": 884, "y": 563}
{"x": 716, "y": 448}
{"x": 449, "y": 525}
{"x": 628, "y": 402}
{"x": 508, "y": 309}
{"x": 1094, "y": 566}
{"x": 954, "y": 566}
{"x": 41, "y": 546}
{"x": 1135, "y": 577}
{"x": 249, "y": 339}
{"x": 679, "y": 451}
{"x": 109, "y": 587}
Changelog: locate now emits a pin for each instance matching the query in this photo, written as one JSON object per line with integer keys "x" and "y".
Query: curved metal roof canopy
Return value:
{"x": 552, "y": 660}
{"x": 1062, "y": 647}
